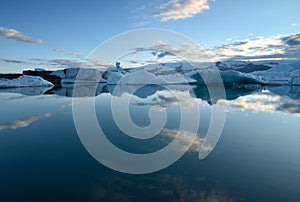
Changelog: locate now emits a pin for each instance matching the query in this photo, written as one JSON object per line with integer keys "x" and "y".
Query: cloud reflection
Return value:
{"x": 185, "y": 137}
{"x": 161, "y": 187}
{"x": 266, "y": 102}
{"x": 22, "y": 123}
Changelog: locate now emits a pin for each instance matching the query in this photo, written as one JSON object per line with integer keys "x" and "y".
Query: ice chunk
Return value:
{"x": 83, "y": 75}
{"x": 114, "y": 77}
{"x": 141, "y": 77}
{"x": 24, "y": 81}
{"x": 60, "y": 73}
{"x": 296, "y": 81}
{"x": 144, "y": 76}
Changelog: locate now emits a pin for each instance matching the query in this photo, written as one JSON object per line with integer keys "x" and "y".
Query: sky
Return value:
{"x": 59, "y": 34}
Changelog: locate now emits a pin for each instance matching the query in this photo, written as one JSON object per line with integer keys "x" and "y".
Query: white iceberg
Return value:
{"x": 150, "y": 75}
{"x": 141, "y": 77}
{"x": 271, "y": 72}
{"x": 80, "y": 75}
{"x": 279, "y": 72}
{"x": 114, "y": 77}
{"x": 24, "y": 81}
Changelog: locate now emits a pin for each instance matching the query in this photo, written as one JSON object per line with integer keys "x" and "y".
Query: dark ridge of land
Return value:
{"x": 10, "y": 76}
{"x": 47, "y": 75}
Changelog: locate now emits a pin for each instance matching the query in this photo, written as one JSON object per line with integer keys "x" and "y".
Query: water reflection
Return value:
{"x": 252, "y": 161}
{"x": 247, "y": 97}
{"x": 162, "y": 187}
{"x": 27, "y": 90}
{"x": 21, "y": 123}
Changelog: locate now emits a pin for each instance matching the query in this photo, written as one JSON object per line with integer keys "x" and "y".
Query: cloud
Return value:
{"x": 81, "y": 61}
{"x": 252, "y": 47}
{"x": 163, "y": 54}
{"x": 22, "y": 123}
{"x": 47, "y": 62}
{"x": 74, "y": 54}
{"x": 15, "y": 61}
{"x": 59, "y": 63}
{"x": 292, "y": 40}
{"x": 171, "y": 53}
{"x": 176, "y": 9}
{"x": 139, "y": 9}
{"x": 258, "y": 48}
{"x": 15, "y": 34}
{"x": 140, "y": 23}
{"x": 281, "y": 47}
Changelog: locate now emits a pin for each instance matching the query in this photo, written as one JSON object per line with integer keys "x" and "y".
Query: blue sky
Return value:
{"x": 34, "y": 32}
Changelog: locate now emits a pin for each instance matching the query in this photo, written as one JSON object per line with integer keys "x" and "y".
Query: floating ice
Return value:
{"x": 24, "y": 81}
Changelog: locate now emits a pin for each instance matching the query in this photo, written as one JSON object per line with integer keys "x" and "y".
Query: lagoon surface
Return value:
{"x": 256, "y": 158}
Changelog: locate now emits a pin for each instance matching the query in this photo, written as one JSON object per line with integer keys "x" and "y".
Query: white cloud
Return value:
{"x": 176, "y": 9}
{"x": 253, "y": 47}
{"x": 74, "y": 54}
{"x": 15, "y": 34}
{"x": 258, "y": 48}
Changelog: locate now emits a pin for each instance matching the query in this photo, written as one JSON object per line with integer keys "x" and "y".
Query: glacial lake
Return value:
{"x": 256, "y": 158}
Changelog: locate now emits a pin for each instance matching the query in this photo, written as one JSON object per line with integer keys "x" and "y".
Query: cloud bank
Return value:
{"x": 176, "y": 9}
{"x": 259, "y": 48}
{"x": 16, "y": 35}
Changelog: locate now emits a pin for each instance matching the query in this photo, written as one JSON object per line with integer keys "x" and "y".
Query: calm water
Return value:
{"x": 257, "y": 157}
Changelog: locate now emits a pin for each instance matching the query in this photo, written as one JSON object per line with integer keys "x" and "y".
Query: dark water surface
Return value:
{"x": 257, "y": 157}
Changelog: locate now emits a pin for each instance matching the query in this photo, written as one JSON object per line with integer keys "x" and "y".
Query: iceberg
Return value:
{"x": 271, "y": 72}
{"x": 141, "y": 77}
{"x": 114, "y": 77}
{"x": 295, "y": 81}
{"x": 80, "y": 75}
{"x": 24, "y": 81}
{"x": 230, "y": 72}
{"x": 145, "y": 75}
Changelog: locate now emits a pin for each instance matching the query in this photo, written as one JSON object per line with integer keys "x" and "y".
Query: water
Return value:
{"x": 256, "y": 158}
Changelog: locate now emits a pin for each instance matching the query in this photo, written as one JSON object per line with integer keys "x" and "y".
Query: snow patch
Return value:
{"x": 24, "y": 81}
